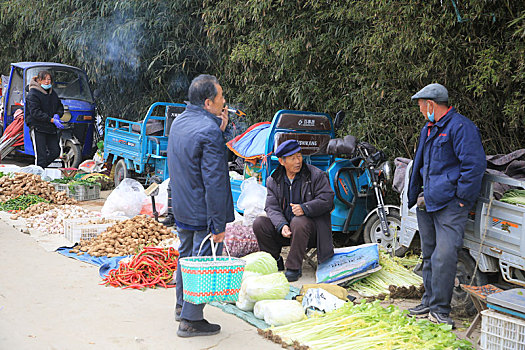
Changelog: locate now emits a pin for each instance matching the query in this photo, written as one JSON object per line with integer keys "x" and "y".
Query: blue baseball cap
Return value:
{"x": 287, "y": 148}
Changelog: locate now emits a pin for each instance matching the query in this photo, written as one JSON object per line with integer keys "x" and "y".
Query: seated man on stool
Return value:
{"x": 298, "y": 206}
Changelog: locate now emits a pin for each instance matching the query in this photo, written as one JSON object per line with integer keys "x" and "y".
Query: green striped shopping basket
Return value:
{"x": 211, "y": 278}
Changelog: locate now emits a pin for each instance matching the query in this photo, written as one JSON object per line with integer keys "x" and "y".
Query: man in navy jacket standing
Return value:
{"x": 200, "y": 187}
{"x": 445, "y": 183}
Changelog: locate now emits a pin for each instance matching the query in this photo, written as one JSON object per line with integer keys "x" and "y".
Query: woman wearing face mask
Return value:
{"x": 44, "y": 111}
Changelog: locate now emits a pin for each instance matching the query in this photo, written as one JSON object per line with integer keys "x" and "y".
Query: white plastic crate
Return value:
{"x": 84, "y": 192}
{"x": 501, "y": 332}
{"x": 60, "y": 187}
{"x": 77, "y": 229}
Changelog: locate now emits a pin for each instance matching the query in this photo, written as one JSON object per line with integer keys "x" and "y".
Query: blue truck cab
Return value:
{"x": 72, "y": 87}
{"x": 139, "y": 149}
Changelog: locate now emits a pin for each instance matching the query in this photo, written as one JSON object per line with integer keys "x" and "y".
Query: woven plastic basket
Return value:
{"x": 211, "y": 278}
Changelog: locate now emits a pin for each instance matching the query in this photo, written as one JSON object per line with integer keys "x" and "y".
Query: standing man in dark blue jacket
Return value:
{"x": 445, "y": 183}
{"x": 200, "y": 187}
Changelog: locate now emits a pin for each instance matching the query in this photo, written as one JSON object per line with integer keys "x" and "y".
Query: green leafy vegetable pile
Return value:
{"x": 366, "y": 326}
{"x": 391, "y": 274}
{"x": 21, "y": 202}
{"x": 514, "y": 197}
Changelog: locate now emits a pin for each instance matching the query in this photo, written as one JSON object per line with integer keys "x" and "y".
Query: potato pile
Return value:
{"x": 34, "y": 210}
{"x": 21, "y": 183}
{"x": 125, "y": 238}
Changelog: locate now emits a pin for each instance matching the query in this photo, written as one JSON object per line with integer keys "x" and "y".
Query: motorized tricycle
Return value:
{"x": 358, "y": 180}
{"x": 71, "y": 85}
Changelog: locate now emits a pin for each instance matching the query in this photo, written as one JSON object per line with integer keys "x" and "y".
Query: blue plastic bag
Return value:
{"x": 349, "y": 263}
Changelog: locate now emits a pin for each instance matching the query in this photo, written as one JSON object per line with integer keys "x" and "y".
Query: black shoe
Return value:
{"x": 169, "y": 221}
{"x": 197, "y": 328}
{"x": 178, "y": 311}
{"x": 437, "y": 317}
{"x": 293, "y": 275}
{"x": 419, "y": 310}
{"x": 280, "y": 264}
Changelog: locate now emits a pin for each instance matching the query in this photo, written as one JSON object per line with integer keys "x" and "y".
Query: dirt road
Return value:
{"x": 48, "y": 301}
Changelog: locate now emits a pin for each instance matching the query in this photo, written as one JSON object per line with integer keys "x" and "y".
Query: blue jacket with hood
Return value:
{"x": 198, "y": 167}
{"x": 449, "y": 163}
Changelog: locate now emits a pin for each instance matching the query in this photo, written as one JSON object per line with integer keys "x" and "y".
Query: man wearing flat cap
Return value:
{"x": 445, "y": 183}
{"x": 298, "y": 206}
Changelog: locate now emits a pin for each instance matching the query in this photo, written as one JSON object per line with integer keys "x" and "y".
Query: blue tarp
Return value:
{"x": 248, "y": 316}
{"x": 104, "y": 262}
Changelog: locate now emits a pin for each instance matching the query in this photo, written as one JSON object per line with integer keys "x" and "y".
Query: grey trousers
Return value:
{"x": 441, "y": 235}
{"x": 190, "y": 242}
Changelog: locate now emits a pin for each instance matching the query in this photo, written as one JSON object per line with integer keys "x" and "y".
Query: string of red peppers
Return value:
{"x": 151, "y": 267}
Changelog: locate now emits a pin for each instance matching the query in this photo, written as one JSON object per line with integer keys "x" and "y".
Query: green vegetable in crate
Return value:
{"x": 514, "y": 197}
{"x": 21, "y": 202}
{"x": 64, "y": 180}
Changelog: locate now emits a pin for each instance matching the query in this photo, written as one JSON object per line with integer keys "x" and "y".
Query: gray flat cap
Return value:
{"x": 436, "y": 92}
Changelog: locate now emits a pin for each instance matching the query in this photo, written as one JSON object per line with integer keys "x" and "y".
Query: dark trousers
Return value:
{"x": 304, "y": 235}
{"x": 190, "y": 242}
{"x": 441, "y": 235}
{"x": 46, "y": 147}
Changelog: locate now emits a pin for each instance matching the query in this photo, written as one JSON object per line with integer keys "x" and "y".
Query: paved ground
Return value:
{"x": 48, "y": 301}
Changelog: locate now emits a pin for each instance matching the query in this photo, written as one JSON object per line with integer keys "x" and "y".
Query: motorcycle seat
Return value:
{"x": 340, "y": 146}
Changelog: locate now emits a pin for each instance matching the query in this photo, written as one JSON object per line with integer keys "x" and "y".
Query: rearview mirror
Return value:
{"x": 339, "y": 118}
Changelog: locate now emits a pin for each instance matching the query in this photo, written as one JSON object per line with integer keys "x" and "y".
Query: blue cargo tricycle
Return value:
{"x": 358, "y": 180}
{"x": 139, "y": 149}
{"x": 71, "y": 85}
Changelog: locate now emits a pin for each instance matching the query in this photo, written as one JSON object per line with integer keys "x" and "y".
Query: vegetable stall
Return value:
{"x": 141, "y": 254}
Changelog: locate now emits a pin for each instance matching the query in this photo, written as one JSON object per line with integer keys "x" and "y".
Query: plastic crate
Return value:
{"x": 500, "y": 331}
{"x": 60, "y": 187}
{"x": 84, "y": 192}
{"x": 77, "y": 229}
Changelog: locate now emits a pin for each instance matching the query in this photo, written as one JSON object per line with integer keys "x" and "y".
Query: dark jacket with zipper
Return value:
{"x": 198, "y": 168}
{"x": 449, "y": 163}
{"x": 317, "y": 201}
{"x": 41, "y": 105}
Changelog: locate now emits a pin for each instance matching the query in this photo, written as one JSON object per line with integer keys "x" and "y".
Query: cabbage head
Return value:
{"x": 272, "y": 286}
{"x": 260, "y": 262}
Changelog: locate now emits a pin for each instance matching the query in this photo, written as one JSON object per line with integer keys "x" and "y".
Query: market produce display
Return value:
{"x": 19, "y": 184}
{"x": 34, "y": 210}
{"x": 393, "y": 279}
{"x": 240, "y": 239}
{"x": 125, "y": 238}
{"x": 52, "y": 221}
{"x": 365, "y": 326}
{"x": 262, "y": 281}
{"x": 514, "y": 196}
{"x": 150, "y": 268}
{"x": 279, "y": 312}
{"x": 21, "y": 202}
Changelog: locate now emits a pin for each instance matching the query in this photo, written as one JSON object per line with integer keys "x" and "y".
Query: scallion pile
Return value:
{"x": 391, "y": 274}
{"x": 514, "y": 197}
{"x": 366, "y": 326}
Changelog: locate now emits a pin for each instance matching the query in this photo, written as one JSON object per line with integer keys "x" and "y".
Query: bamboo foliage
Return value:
{"x": 365, "y": 57}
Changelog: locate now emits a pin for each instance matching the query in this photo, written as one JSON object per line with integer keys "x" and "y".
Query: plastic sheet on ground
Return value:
{"x": 248, "y": 316}
{"x": 104, "y": 262}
